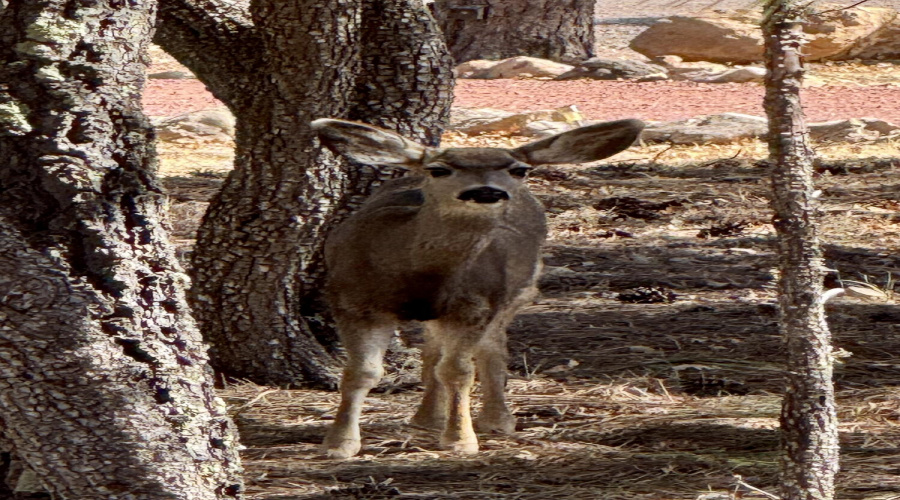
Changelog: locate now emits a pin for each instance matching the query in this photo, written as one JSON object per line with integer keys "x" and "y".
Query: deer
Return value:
{"x": 456, "y": 245}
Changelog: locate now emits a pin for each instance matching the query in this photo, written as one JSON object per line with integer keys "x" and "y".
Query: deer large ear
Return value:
{"x": 367, "y": 144}
{"x": 590, "y": 143}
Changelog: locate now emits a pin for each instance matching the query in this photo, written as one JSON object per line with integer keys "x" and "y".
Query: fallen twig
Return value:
{"x": 842, "y": 8}
{"x": 739, "y": 481}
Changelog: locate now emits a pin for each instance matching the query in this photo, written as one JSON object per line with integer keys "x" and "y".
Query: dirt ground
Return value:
{"x": 650, "y": 367}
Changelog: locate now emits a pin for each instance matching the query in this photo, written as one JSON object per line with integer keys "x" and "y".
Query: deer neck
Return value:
{"x": 446, "y": 239}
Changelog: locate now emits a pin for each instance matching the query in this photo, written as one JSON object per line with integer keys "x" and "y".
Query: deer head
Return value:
{"x": 473, "y": 178}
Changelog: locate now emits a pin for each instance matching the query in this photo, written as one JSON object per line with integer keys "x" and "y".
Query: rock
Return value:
{"x": 730, "y": 127}
{"x": 711, "y": 129}
{"x": 546, "y": 128}
{"x": 668, "y": 60}
{"x": 172, "y": 75}
{"x": 463, "y": 119}
{"x": 691, "y": 71}
{"x": 833, "y": 35}
{"x": 596, "y": 68}
{"x": 476, "y": 68}
{"x": 715, "y": 39}
{"x": 656, "y": 77}
{"x": 839, "y": 34}
{"x": 852, "y": 130}
{"x": 526, "y": 67}
{"x": 516, "y": 123}
{"x": 882, "y": 127}
{"x": 208, "y": 125}
{"x": 743, "y": 74}
{"x": 883, "y": 43}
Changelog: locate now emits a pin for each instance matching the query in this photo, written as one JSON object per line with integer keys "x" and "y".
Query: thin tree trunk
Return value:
{"x": 257, "y": 266}
{"x": 498, "y": 29}
{"x": 105, "y": 390}
{"x": 809, "y": 439}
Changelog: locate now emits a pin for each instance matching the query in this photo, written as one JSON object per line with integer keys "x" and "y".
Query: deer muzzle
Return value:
{"x": 485, "y": 194}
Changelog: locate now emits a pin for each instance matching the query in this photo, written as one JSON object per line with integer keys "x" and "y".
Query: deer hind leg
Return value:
{"x": 365, "y": 346}
{"x": 491, "y": 362}
{"x": 491, "y": 359}
{"x": 432, "y": 413}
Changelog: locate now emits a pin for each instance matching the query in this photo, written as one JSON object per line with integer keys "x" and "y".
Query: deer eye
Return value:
{"x": 438, "y": 171}
{"x": 519, "y": 172}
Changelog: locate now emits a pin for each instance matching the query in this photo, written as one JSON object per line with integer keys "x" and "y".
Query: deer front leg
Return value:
{"x": 456, "y": 374}
{"x": 365, "y": 352}
{"x": 432, "y": 413}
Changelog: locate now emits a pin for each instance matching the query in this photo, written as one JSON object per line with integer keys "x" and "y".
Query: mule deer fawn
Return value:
{"x": 457, "y": 246}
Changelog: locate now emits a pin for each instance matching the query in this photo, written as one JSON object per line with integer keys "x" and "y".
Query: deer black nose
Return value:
{"x": 484, "y": 194}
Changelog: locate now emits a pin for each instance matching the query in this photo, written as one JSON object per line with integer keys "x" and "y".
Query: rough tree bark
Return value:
{"x": 809, "y": 439}
{"x": 257, "y": 266}
{"x": 105, "y": 389}
{"x": 498, "y": 29}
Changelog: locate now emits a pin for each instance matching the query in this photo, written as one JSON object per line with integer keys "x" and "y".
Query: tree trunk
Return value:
{"x": 809, "y": 439}
{"x": 257, "y": 266}
{"x": 498, "y": 29}
{"x": 105, "y": 390}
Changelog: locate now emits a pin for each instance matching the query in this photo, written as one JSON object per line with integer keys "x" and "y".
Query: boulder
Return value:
{"x": 208, "y": 125}
{"x": 476, "y": 68}
{"x": 518, "y": 123}
{"x": 884, "y": 43}
{"x": 834, "y": 34}
{"x": 526, "y": 67}
{"x": 597, "y": 68}
{"x": 715, "y": 39}
{"x": 712, "y": 129}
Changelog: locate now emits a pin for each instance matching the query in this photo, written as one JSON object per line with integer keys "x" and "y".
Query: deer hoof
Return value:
{"x": 504, "y": 423}
{"x": 341, "y": 449}
{"x": 466, "y": 447}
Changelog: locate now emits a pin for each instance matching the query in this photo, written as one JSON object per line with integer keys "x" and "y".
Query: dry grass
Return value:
{"x": 854, "y": 73}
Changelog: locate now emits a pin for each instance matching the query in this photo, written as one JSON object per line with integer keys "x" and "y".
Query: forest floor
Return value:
{"x": 650, "y": 367}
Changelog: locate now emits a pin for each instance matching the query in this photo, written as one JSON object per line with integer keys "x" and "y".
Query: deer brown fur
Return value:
{"x": 455, "y": 245}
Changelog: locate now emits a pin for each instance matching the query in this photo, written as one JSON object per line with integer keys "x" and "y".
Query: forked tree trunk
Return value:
{"x": 105, "y": 390}
{"x": 809, "y": 439}
{"x": 257, "y": 266}
{"x": 498, "y": 29}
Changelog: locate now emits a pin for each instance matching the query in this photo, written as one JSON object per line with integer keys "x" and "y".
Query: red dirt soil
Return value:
{"x": 600, "y": 100}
